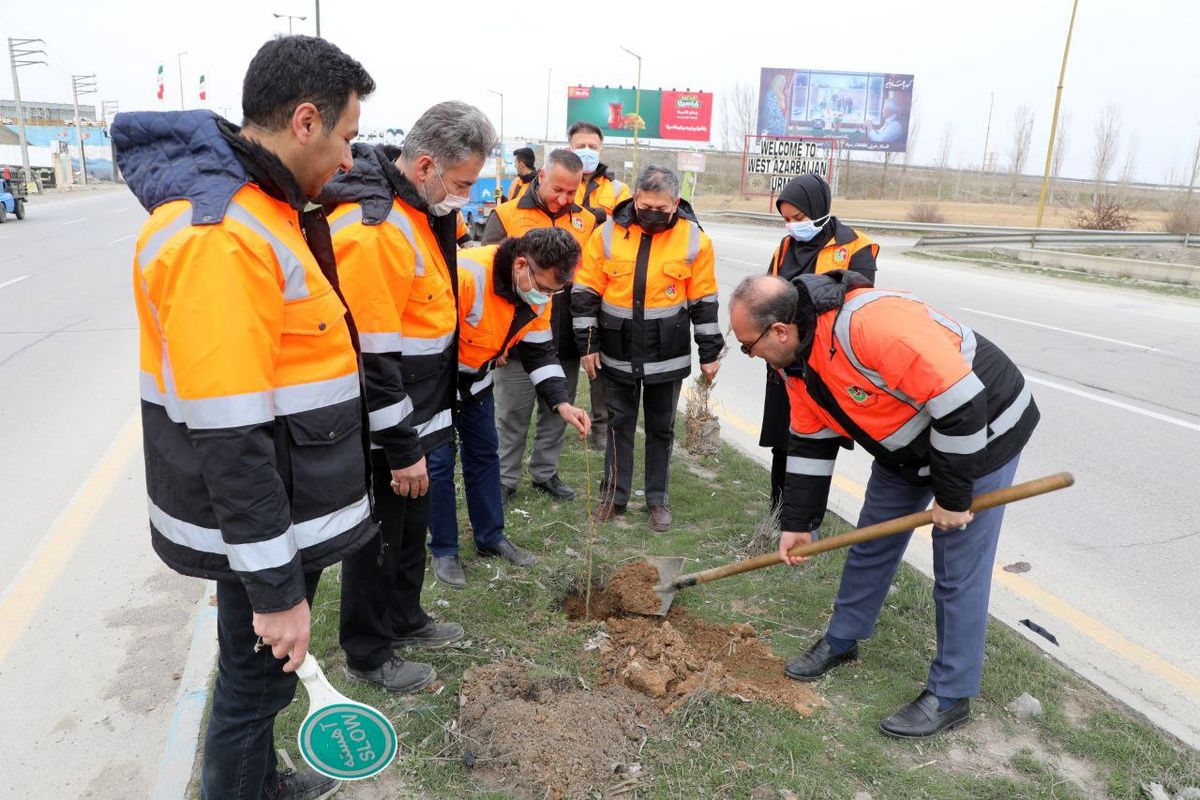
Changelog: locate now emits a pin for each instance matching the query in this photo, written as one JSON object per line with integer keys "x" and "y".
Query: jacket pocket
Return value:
{"x": 325, "y": 451}
{"x": 615, "y": 337}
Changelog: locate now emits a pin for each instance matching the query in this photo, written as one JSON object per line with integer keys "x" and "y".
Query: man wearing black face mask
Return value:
{"x": 816, "y": 242}
{"x": 647, "y": 273}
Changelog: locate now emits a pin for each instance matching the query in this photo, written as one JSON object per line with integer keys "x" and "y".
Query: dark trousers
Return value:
{"x": 778, "y": 475}
{"x": 516, "y": 397}
{"x": 479, "y": 445}
{"x": 381, "y": 583}
{"x": 251, "y": 688}
{"x": 962, "y": 576}
{"x": 660, "y": 401}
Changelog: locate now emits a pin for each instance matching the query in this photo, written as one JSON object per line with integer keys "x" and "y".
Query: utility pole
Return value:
{"x": 500, "y": 160}
{"x": 1054, "y": 120}
{"x": 987, "y": 134}
{"x": 21, "y": 55}
{"x": 81, "y": 84}
{"x": 318, "y": 19}
{"x": 637, "y": 109}
{"x": 179, "y": 60}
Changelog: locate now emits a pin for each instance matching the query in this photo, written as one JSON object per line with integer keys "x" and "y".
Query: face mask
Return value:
{"x": 533, "y": 296}
{"x": 589, "y": 157}
{"x": 449, "y": 203}
{"x": 805, "y": 230}
{"x": 652, "y": 220}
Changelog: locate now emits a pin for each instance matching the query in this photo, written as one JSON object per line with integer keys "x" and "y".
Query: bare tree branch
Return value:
{"x": 1019, "y": 149}
{"x": 1061, "y": 140}
{"x": 1106, "y": 141}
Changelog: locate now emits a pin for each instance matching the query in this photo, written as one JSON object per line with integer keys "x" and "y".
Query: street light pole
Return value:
{"x": 637, "y": 108}
{"x": 179, "y": 60}
{"x": 1062, "y": 74}
{"x": 500, "y": 159}
{"x": 318, "y": 18}
{"x": 20, "y": 55}
{"x": 81, "y": 84}
{"x": 290, "y": 17}
{"x": 987, "y": 134}
{"x": 546, "y": 139}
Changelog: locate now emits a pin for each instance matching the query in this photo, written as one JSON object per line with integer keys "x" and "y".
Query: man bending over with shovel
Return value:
{"x": 945, "y": 413}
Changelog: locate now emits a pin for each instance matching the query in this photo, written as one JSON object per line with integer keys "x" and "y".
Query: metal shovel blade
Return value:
{"x": 668, "y": 568}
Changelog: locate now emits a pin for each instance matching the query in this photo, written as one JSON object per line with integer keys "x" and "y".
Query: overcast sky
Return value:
{"x": 1140, "y": 55}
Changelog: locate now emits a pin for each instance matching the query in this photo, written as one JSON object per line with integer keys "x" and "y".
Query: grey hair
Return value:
{"x": 768, "y": 298}
{"x": 658, "y": 179}
{"x": 450, "y": 132}
{"x": 565, "y": 159}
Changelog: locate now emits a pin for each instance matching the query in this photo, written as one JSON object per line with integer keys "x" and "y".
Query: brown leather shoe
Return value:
{"x": 606, "y": 511}
{"x": 660, "y": 518}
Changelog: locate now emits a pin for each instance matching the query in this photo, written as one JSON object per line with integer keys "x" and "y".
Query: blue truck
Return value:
{"x": 12, "y": 199}
{"x": 483, "y": 202}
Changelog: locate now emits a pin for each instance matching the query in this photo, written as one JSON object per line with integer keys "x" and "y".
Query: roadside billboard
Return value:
{"x": 866, "y": 110}
{"x": 684, "y": 116}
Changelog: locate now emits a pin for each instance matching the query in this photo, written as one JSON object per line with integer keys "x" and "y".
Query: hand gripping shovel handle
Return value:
{"x": 1011, "y": 494}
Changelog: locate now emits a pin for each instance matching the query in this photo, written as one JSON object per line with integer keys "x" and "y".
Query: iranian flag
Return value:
{"x": 203, "y": 89}
{"x": 160, "y": 81}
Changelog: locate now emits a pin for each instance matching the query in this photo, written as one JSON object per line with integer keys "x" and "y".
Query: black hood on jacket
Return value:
{"x": 373, "y": 182}
{"x": 817, "y": 294}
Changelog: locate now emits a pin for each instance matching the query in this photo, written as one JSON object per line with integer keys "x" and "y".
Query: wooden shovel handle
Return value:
{"x": 1011, "y": 494}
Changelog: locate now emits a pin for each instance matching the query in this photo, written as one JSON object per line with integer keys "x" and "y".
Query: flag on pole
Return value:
{"x": 160, "y": 81}
{"x": 203, "y": 89}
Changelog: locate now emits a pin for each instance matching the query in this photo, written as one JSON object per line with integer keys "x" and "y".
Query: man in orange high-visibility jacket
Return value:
{"x": 946, "y": 415}
{"x": 648, "y": 280}
{"x": 816, "y": 242}
{"x": 251, "y": 406}
{"x": 393, "y": 230}
{"x": 547, "y": 204}
{"x": 503, "y": 304}
{"x": 524, "y": 161}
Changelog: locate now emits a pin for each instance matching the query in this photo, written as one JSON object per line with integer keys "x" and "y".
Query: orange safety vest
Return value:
{"x": 518, "y": 187}
{"x": 635, "y": 295}
{"x": 396, "y": 281}
{"x": 490, "y": 324}
{"x": 524, "y": 214}
{"x": 601, "y": 191}
{"x": 834, "y": 255}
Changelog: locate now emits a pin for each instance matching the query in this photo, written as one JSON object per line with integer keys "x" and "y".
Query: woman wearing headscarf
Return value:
{"x": 815, "y": 242}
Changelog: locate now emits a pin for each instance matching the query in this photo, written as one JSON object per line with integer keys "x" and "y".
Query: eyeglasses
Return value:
{"x": 747, "y": 349}
{"x": 533, "y": 281}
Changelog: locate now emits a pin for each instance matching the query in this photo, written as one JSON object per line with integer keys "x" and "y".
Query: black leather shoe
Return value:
{"x": 448, "y": 570}
{"x": 921, "y": 719}
{"x": 303, "y": 785}
{"x": 509, "y": 552}
{"x": 556, "y": 488}
{"x": 510, "y": 494}
{"x": 395, "y": 675}
{"x": 817, "y": 661}
{"x": 432, "y": 636}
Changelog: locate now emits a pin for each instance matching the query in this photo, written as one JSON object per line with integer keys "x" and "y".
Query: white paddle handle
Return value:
{"x": 320, "y": 690}
{"x": 309, "y": 669}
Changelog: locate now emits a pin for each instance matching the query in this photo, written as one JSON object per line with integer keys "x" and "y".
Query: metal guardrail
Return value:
{"x": 965, "y": 235}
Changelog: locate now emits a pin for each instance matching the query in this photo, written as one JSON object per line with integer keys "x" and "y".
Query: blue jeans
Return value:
{"x": 962, "y": 576}
{"x": 251, "y": 688}
{"x": 480, "y": 448}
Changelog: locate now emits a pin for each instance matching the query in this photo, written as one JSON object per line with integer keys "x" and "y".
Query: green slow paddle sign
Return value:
{"x": 341, "y": 738}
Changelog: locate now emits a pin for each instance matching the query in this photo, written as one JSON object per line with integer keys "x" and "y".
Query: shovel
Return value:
{"x": 669, "y": 567}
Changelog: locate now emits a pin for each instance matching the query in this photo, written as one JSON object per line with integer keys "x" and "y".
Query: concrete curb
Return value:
{"x": 183, "y": 737}
{"x": 1110, "y": 266}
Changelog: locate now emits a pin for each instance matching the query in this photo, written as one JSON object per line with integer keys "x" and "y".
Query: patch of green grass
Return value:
{"x": 717, "y": 746}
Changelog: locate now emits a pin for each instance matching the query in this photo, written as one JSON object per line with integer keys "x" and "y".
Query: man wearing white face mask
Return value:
{"x": 815, "y": 242}
{"x": 599, "y": 190}
{"x": 394, "y": 229}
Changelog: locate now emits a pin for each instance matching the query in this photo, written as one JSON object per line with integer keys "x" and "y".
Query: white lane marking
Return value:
{"x": 14, "y": 280}
{"x": 122, "y": 239}
{"x": 1191, "y": 426}
{"x": 73, "y": 221}
{"x": 739, "y": 261}
{"x": 1061, "y": 330}
{"x": 121, "y": 210}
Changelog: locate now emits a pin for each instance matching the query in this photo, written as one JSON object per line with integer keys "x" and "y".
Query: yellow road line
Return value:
{"x": 33, "y": 582}
{"x": 1086, "y": 625}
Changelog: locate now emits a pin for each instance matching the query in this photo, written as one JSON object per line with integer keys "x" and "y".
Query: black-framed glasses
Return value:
{"x": 747, "y": 348}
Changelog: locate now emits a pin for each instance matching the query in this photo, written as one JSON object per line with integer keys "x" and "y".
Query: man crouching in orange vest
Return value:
{"x": 504, "y": 294}
{"x": 946, "y": 415}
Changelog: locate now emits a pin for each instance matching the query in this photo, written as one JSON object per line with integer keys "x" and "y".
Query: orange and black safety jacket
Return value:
{"x": 492, "y": 319}
{"x": 930, "y": 399}
{"x": 516, "y": 218}
{"x": 636, "y": 293}
{"x": 602, "y": 192}
{"x": 846, "y": 249}
{"x": 519, "y": 185}
{"x": 395, "y": 262}
{"x": 250, "y": 397}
